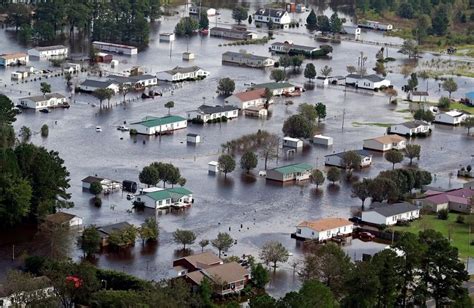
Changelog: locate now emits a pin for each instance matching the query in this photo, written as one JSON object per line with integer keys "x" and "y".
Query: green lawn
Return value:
{"x": 459, "y": 232}
{"x": 462, "y": 107}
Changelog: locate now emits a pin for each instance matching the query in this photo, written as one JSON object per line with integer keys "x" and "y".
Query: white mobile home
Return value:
{"x": 277, "y": 88}
{"x": 90, "y": 85}
{"x": 48, "y": 52}
{"x": 324, "y": 229}
{"x": 234, "y": 33}
{"x": 337, "y": 159}
{"x": 370, "y": 82}
{"x": 411, "y": 128}
{"x": 155, "y": 125}
{"x": 293, "y": 143}
{"x": 115, "y": 48}
{"x": 323, "y": 140}
{"x": 247, "y": 59}
{"x": 390, "y": 214}
{"x": 385, "y": 143}
{"x": 294, "y": 172}
{"x": 206, "y": 113}
{"x": 17, "y": 58}
{"x": 248, "y": 99}
{"x": 452, "y": 117}
{"x": 43, "y": 101}
{"x": 163, "y": 198}
{"x": 182, "y": 73}
{"x": 167, "y": 37}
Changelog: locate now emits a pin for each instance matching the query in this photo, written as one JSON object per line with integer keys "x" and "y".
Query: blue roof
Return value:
{"x": 470, "y": 95}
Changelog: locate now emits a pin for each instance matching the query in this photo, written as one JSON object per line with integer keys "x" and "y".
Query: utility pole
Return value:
{"x": 343, "y": 118}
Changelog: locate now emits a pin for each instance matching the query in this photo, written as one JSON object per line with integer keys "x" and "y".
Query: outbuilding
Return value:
{"x": 323, "y": 140}
{"x": 293, "y": 172}
{"x": 193, "y": 138}
{"x": 167, "y": 37}
{"x": 213, "y": 167}
{"x": 293, "y": 143}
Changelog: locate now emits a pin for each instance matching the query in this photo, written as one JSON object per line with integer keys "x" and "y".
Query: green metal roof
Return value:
{"x": 152, "y": 121}
{"x": 180, "y": 190}
{"x": 159, "y": 195}
{"x": 169, "y": 193}
{"x": 293, "y": 168}
{"x": 273, "y": 85}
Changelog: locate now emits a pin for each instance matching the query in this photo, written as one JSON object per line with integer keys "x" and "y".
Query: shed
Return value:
{"x": 167, "y": 37}
{"x": 193, "y": 138}
{"x": 323, "y": 140}
{"x": 188, "y": 56}
{"x": 294, "y": 143}
{"x": 213, "y": 167}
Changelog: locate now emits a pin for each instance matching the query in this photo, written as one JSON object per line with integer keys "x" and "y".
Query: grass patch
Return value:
{"x": 357, "y": 124}
{"x": 462, "y": 107}
{"x": 404, "y": 110}
{"x": 459, "y": 232}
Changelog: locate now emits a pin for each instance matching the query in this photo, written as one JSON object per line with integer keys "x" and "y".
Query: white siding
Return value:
{"x": 308, "y": 233}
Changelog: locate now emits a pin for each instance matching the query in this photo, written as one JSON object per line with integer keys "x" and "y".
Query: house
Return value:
{"x": 247, "y": 59}
{"x": 207, "y": 113}
{"x": 323, "y": 229}
{"x": 290, "y": 48}
{"x": 71, "y": 68}
{"x": 48, "y": 52}
{"x": 193, "y": 138}
{"x": 390, "y": 214}
{"x": 293, "y": 143}
{"x": 19, "y": 75}
{"x": 234, "y": 33}
{"x": 115, "y": 48}
{"x": 323, "y": 140}
{"x": 182, "y": 73}
{"x": 277, "y": 88}
{"x": 256, "y": 112}
{"x": 195, "y": 10}
{"x": 452, "y": 117}
{"x": 165, "y": 198}
{"x": 294, "y": 172}
{"x": 280, "y": 18}
{"x": 105, "y": 231}
{"x": 87, "y": 181}
{"x": 39, "y": 288}
{"x": 102, "y": 57}
{"x": 156, "y": 126}
{"x": 458, "y": 200}
{"x": 167, "y": 37}
{"x": 337, "y": 159}
{"x": 385, "y": 143}
{"x": 251, "y": 98}
{"x": 411, "y": 128}
{"x": 138, "y": 82}
{"x": 63, "y": 219}
{"x": 90, "y": 85}
{"x": 11, "y": 59}
{"x": 375, "y": 25}
{"x": 195, "y": 262}
{"x": 370, "y": 82}
{"x": 43, "y": 101}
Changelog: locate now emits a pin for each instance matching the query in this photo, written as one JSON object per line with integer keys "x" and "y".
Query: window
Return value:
{"x": 298, "y": 231}
{"x": 328, "y": 233}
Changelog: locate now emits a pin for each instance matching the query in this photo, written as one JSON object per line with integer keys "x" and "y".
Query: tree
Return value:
{"x": 101, "y": 94}
{"x": 298, "y": 126}
{"x": 95, "y": 188}
{"x": 44, "y": 130}
{"x": 203, "y": 244}
{"x": 362, "y": 285}
{"x": 412, "y": 151}
{"x": 260, "y": 276}
{"x": 149, "y": 230}
{"x": 7, "y": 113}
{"x": 426, "y": 116}
{"x": 412, "y": 82}
{"x": 311, "y": 21}
{"x": 394, "y": 156}
{"x": 308, "y": 111}
{"x": 285, "y": 61}
{"x": 268, "y": 97}
{"x": 239, "y": 13}
{"x": 450, "y": 86}
{"x": 444, "y": 103}
{"x": 423, "y": 25}
{"x": 169, "y": 105}
{"x": 361, "y": 190}
{"x": 326, "y": 71}
{"x": 149, "y": 176}
{"x": 387, "y": 265}
{"x": 203, "y": 21}
{"x": 297, "y": 61}
{"x": 262, "y": 301}
{"x": 315, "y": 294}
{"x": 186, "y": 26}
{"x": 351, "y": 69}
{"x": 334, "y": 174}
{"x": 222, "y": 242}
{"x": 335, "y": 23}
{"x": 351, "y": 160}
{"x": 45, "y": 88}
{"x": 226, "y": 164}
{"x": 323, "y": 23}
{"x": 274, "y": 252}
{"x": 90, "y": 241}
{"x": 278, "y": 75}
{"x": 184, "y": 237}
{"x": 405, "y": 10}
{"x": 248, "y": 161}
{"x": 16, "y": 194}
{"x": 410, "y": 48}
{"x": 25, "y": 134}
{"x": 226, "y": 86}
{"x": 125, "y": 89}
{"x": 317, "y": 177}
{"x": 469, "y": 123}
{"x": 440, "y": 21}
{"x": 269, "y": 148}
{"x": 310, "y": 71}
{"x": 321, "y": 110}
{"x": 381, "y": 189}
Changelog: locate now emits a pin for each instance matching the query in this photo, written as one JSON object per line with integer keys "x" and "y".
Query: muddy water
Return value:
{"x": 265, "y": 211}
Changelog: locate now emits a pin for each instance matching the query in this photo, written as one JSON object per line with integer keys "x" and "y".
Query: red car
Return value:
{"x": 366, "y": 236}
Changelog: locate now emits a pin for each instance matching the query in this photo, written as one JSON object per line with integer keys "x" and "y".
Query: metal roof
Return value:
{"x": 153, "y": 121}
{"x": 388, "y": 210}
{"x": 293, "y": 168}
{"x": 373, "y": 77}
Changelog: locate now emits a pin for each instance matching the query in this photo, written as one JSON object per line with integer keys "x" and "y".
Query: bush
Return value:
{"x": 97, "y": 201}
{"x": 44, "y": 130}
{"x": 443, "y": 214}
{"x": 224, "y": 119}
{"x": 460, "y": 219}
{"x": 133, "y": 132}
{"x": 197, "y": 121}
{"x": 34, "y": 264}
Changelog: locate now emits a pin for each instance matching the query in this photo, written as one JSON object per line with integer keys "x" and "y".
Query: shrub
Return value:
{"x": 133, "y": 131}
{"x": 97, "y": 201}
{"x": 468, "y": 168}
{"x": 443, "y": 214}
{"x": 44, "y": 130}
{"x": 460, "y": 219}
{"x": 224, "y": 119}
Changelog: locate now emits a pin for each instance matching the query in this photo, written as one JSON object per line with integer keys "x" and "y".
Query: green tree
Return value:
{"x": 101, "y": 95}
{"x": 311, "y": 21}
{"x": 351, "y": 160}
{"x": 44, "y": 130}
{"x": 312, "y": 294}
{"x": 7, "y": 136}
{"x": 25, "y": 134}
{"x": 334, "y": 174}
{"x": 412, "y": 151}
{"x": 149, "y": 176}
{"x": 149, "y": 230}
{"x": 184, "y": 237}
{"x": 381, "y": 189}
{"x": 394, "y": 156}
{"x": 248, "y": 161}
{"x": 125, "y": 89}
{"x": 310, "y": 71}
{"x": 186, "y": 26}
{"x": 226, "y": 164}
{"x": 298, "y": 126}
{"x": 260, "y": 276}
{"x": 308, "y": 111}
{"x": 203, "y": 21}
{"x": 469, "y": 123}
{"x": 297, "y": 61}
{"x": 7, "y": 113}
{"x": 226, "y": 86}
{"x": 285, "y": 61}
{"x": 387, "y": 268}
{"x": 90, "y": 241}
{"x": 15, "y": 196}
{"x": 317, "y": 177}
{"x": 423, "y": 26}
{"x": 274, "y": 252}
{"x": 326, "y": 71}
{"x": 321, "y": 110}
{"x": 250, "y": 19}
{"x": 450, "y": 86}
{"x": 278, "y": 75}
{"x": 95, "y": 188}
{"x": 239, "y": 13}
{"x": 262, "y": 301}
{"x": 222, "y": 242}
{"x": 362, "y": 286}
{"x": 410, "y": 48}
{"x": 335, "y": 23}
{"x": 361, "y": 190}
{"x": 444, "y": 103}
{"x": 123, "y": 238}
{"x": 169, "y": 105}
{"x": 45, "y": 88}
{"x": 412, "y": 82}
{"x": 203, "y": 244}
{"x": 440, "y": 22}
{"x": 323, "y": 23}
{"x": 426, "y": 116}
{"x": 205, "y": 292}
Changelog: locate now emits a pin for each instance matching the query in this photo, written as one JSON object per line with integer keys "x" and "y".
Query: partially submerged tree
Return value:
{"x": 274, "y": 252}
{"x": 239, "y": 13}
{"x": 333, "y": 174}
{"x": 450, "y": 86}
{"x": 394, "y": 156}
{"x": 169, "y": 105}
{"x": 226, "y": 164}
{"x": 278, "y": 75}
{"x": 317, "y": 177}
{"x": 310, "y": 71}
{"x": 222, "y": 242}
{"x": 248, "y": 161}
{"x": 226, "y": 86}
{"x": 184, "y": 237}
{"x": 412, "y": 151}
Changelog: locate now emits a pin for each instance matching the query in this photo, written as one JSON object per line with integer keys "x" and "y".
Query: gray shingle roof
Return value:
{"x": 114, "y": 227}
{"x": 414, "y": 124}
{"x": 388, "y": 210}
{"x": 179, "y": 69}
{"x": 215, "y": 109}
{"x": 362, "y": 153}
{"x": 271, "y": 12}
{"x": 245, "y": 55}
{"x": 97, "y": 83}
{"x": 41, "y": 98}
{"x": 373, "y": 77}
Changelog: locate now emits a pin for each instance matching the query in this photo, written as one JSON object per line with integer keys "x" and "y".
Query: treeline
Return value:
{"x": 117, "y": 21}
{"x": 33, "y": 180}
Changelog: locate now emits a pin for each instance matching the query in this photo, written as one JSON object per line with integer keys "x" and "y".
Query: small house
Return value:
{"x": 452, "y": 117}
{"x": 323, "y": 140}
{"x": 293, "y": 143}
{"x": 278, "y": 17}
{"x": 164, "y": 198}
{"x": 167, "y": 37}
{"x": 248, "y": 99}
{"x": 371, "y": 82}
{"x": 87, "y": 181}
{"x": 208, "y": 113}
{"x": 102, "y": 57}
{"x": 63, "y": 219}
{"x": 233, "y": 33}
{"x": 247, "y": 59}
{"x": 213, "y": 167}
{"x": 337, "y": 159}
{"x": 106, "y": 231}
{"x": 49, "y": 52}
{"x": 115, "y": 48}
{"x": 43, "y": 101}
{"x": 458, "y": 200}
{"x": 182, "y": 73}
{"x": 390, "y": 214}
{"x": 12, "y": 59}
{"x": 256, "y": 112}
{"x": 195, "y": 10}
{"x": 90, "y": 85}
{"x": 19, "y": 75}
{"x": 156, "y": 126}
{"x": 277, "y": 88}
{"x": 193, "y": 138}
{"x": 323, "y": 229}
{"x": 188, "y": 56}
{"x": 71, "y": 68}
{"x": 411, "y": 128}
{"x": 385, "y": 143}
{"x": 293, "y": 172}
{"x": 375, "y": 25}
{"x": 290, "y": 48}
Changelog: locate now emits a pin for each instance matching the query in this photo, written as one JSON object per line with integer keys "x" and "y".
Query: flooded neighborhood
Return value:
{"x": 129, "y": 109}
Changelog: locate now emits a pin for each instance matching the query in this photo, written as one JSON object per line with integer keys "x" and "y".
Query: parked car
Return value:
{"x": 123, "y": 128}
{"x": 98, "y": 129}
{"x": 130, "y": 196}
{"x": 44, "y": 110}
{"x": 366, "y": 236}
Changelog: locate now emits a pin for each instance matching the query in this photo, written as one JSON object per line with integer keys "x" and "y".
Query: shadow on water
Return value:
{"x": 333, "y": 189}
{"x": 226, "y": 183}
{"x": 317, "y": 192}
{"x": 149, "y": 248}
{"x": 247, "y": 178}
{"x": 181, "y": 253}
{"x": 122, "y": 254}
